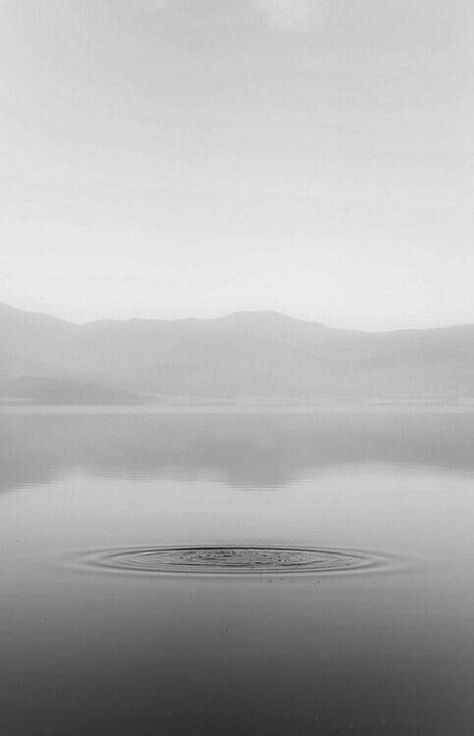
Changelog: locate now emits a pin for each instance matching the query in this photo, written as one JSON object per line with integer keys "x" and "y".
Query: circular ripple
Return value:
{"x": 237, "y": 560}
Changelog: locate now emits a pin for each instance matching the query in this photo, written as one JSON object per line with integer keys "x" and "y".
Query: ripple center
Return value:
{"x": 213, "y": 559}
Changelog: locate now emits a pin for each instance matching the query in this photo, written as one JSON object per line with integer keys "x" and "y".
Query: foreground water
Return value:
{"x": 153, "y": 575}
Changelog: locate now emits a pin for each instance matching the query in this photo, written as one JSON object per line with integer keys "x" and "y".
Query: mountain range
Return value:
{"x": 246, "y": 356}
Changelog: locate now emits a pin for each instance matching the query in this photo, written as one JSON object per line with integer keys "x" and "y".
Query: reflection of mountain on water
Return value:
{"x": 245, "y": 450}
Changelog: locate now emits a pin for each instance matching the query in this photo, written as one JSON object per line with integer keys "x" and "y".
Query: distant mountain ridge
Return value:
{"x": 245, "y": 355}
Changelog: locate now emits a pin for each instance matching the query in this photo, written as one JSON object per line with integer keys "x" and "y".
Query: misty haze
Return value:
{"x": 236, "y": 368}
{"x": 245, "y": 356}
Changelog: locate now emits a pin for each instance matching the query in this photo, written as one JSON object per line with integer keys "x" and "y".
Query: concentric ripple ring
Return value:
{"x": 233, "y": 560}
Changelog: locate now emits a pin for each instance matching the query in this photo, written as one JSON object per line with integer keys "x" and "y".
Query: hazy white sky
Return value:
{"x": 168, "y": 158}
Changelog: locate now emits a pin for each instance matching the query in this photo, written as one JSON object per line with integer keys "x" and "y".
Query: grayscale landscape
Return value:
{"x": 236, "y": 368}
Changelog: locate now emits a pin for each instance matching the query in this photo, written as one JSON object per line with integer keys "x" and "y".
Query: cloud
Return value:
{"x": 150, "y": 6}
{"x": 287, "y": 14}
{"x": 158, "y": 4}
{"x": 283, "y": 15}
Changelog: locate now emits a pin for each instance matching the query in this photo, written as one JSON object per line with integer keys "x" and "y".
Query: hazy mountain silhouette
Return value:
{"x": 247, "y": 354}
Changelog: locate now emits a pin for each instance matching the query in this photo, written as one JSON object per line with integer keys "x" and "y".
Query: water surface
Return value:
{"x": 87, "y": 648}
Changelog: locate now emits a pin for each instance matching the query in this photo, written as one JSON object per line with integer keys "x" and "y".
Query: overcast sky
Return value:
{"x": 171, "y": 158}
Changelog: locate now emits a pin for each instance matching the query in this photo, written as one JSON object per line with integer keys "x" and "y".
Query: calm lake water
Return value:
{"x": 91, "y": 648}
